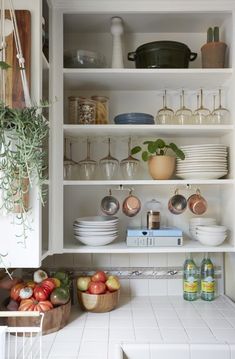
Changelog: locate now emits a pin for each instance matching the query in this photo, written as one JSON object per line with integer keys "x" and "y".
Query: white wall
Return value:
{"x": 230, "y": 275}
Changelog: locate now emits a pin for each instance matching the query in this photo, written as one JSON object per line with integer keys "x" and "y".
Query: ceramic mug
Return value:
{"x": 197, "y": 204}
{"x": 177, "y": 204}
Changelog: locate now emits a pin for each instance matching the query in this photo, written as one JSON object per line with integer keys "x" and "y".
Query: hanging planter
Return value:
{"x": 22, "y": 134}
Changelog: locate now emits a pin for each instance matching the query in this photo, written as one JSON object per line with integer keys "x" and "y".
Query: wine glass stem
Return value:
{"x": 88, "y": 149}
{"x": 109, "y": 154}
{"x": 164, "y": 99}
{"x": 129, "y": 146}
{"x": 182, "y": 99}
{"x": 201, "y": 99}
{"x": 220, "y": 98}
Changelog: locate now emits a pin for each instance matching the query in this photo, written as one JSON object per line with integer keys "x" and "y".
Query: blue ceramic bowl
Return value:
{"x": 137, "y": 118}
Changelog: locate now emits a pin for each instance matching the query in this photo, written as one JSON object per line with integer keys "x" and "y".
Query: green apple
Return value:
{"x": 83, "y": 283}
{"x": 112, "y": 283}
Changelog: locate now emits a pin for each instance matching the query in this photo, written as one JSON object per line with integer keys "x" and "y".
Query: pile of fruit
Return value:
{"x": 40, "y": 294}
{"x": 99, "y": 283}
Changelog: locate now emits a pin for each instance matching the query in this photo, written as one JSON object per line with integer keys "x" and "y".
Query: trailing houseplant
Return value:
{"x": 161, "y": 165}
{"x": 22, "y": 159}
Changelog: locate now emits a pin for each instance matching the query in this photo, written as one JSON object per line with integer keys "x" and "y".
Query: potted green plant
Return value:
{"x": 161, "y": 166}
{"x": 213, "y": 52}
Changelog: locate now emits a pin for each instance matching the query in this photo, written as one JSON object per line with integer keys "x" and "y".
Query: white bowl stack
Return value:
{"x": 199, "y": 221}
{"x": 207, "y": 161}
{"x": 96, "y": 231}
{"x": 213, "y": 235}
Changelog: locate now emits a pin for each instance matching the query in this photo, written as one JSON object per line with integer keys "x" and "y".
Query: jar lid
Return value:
{"x": 153, "y": 205}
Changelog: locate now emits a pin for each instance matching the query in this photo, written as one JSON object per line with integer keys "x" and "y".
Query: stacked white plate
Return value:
{"x": 199, "y": 221}
{"x": 96, "y": 231}
{"x": 213, "y": 235}
{"x": 208, "y": 161}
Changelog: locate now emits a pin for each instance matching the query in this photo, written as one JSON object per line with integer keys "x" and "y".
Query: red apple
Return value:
{"x": 83, "y": 283}
{"x": 112, "y": 283}
{"x": 99, "y": 277}
{"x": 97, "y": 287}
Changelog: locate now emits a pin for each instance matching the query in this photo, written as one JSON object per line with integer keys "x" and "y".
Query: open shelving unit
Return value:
{"x": 138, "y": 90}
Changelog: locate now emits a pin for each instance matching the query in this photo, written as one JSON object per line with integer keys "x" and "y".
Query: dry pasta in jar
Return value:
{"x": 102, "y": 109}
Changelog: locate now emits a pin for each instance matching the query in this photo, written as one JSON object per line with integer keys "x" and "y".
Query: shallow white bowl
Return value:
{"x": 212, "y": 228}
{"x": 96, "y": 241}
{"x": 207, "y": 241}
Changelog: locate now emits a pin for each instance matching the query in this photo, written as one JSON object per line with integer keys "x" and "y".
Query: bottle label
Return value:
{"x": 208, "y": 285}
{"x": 191, "y": 285}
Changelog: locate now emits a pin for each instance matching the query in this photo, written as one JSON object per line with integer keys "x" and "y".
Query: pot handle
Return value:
{"x": 131, "y": 56}
{"x": 192, "y": 56}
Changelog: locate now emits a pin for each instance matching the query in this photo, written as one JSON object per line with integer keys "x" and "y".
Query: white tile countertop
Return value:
{"x": 148, "y": 328}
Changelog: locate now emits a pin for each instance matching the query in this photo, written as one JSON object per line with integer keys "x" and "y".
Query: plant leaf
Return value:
{"x": 179, "y": 153}
{"x": 135, "y": 150}
{"x": 147, "y": 142}
{"x": 160, "y": 143}
{"x": 4, "y": 65}
{"x": 145, "y": 156}
{"x": 152, "y": 148}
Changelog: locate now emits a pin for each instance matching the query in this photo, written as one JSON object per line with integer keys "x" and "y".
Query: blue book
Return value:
{"x": 163, "y": 232}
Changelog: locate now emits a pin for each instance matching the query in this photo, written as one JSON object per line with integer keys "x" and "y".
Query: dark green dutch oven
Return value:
{"x": 162, "y": 54}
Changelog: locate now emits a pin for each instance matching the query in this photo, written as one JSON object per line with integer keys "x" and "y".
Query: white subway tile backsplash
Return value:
{"x": 120, "y": 260}
{"x": 139, "y": 287}
{"x": 175, "y": 259}
{"x": 174, "y": 287}
{"x": 158, "y": 260}
{"x": 101, "y": 260}
{"x": 139, "y": 260}
{"x": 157, "y": 287}
{"x": 83, "y": 260}
{"x": 63, "y": 260}
{"x": 125, "y": 287}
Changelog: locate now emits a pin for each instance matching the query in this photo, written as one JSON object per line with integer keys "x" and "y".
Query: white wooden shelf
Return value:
{"x": 147, "y": 130}
{"x": 145, "y": 79}
{"x": 147, "y": 182}
{"x": 121, "y": 247}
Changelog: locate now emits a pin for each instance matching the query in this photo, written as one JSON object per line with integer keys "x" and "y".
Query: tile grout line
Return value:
{"x": 83, "y": 329}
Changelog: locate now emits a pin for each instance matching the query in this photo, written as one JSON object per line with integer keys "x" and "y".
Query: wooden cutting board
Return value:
{"x": 14, "y": 88}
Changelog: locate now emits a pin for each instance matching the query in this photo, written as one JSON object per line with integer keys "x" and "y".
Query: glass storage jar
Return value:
{"x": 102, "y": 109}
{"x": 73, "y": 110}
{"x": 86, "y": 111}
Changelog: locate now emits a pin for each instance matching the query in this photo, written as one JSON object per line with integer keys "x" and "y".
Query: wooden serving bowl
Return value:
{"x": 53, "y": 320}
{"x": 98, "y": 303}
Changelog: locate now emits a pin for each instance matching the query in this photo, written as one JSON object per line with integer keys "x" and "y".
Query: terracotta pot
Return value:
{"x": 161, "y": 167}
{"x": 213, "y": 55}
